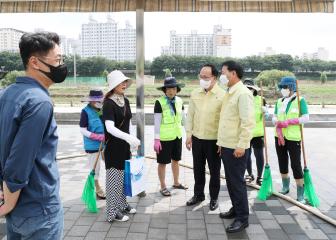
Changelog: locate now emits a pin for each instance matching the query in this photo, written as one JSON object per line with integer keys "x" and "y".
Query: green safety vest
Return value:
{"x": 292, "y": 132}
{"x": 171, "y": 124}
{"x": 258, "y": 131}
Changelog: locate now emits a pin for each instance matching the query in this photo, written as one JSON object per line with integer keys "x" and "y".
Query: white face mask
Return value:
{"x": 205, "y": 84}
{"x": 98, "y": 105}
{"x": 285, "y": 92}
{"x": 223, "y": 79}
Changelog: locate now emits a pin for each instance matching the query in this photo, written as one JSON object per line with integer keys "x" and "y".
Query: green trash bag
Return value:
{"x": 89, "y": 194}
{"x": 266, "y": 189}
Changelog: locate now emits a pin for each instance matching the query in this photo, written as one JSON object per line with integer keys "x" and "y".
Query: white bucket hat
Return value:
{"x": 115, "y": 78}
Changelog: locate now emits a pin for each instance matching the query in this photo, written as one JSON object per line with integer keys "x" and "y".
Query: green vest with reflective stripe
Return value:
{"x": 292, "y": 132}
{"x": 171, "y": 124}
{"x": 258, "y": 131}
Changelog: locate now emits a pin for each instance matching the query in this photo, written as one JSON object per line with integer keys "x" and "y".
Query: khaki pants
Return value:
{"x": 91, "y": 161}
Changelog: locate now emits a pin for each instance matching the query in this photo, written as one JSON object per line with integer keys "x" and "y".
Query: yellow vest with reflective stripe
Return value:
{"x": 258, "y": 131}
{"x": 171, "y": 124}
{"x": 292, "y": 132}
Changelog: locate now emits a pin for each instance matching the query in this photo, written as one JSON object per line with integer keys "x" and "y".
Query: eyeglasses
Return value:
{"x": 60, "y": 59}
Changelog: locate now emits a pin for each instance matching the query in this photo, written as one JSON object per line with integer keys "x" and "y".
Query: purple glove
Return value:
{"x": 284, "y": 124}
{"x": 97, "y": 137}
{"x": 157, "y": 146}
{"x": 281, "y": 140}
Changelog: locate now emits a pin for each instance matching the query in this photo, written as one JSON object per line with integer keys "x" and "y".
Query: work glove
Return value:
{"x": 284, "y": 124}
{"x": 97, "y": 137}
{"x": 281, "y": 140}
{"x": 133, "y": 141}
{"x": 157, "y": 146}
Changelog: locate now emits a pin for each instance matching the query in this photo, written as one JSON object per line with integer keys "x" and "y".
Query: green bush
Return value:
{"x": 323, "y": 77}
{"x": 167, "y": 72}
{"x": 271, "y": 78}
{"x": 11, "y": 76}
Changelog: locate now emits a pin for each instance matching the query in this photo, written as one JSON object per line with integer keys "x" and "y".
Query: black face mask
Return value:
{"x": 56, "y": 74}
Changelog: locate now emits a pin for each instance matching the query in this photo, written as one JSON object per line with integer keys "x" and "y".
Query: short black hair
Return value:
{"x": 165, "y": 88}
{"x": 214, "y": 70}
{"x": 234, "y": 66}
{"x": 37, "y": 43}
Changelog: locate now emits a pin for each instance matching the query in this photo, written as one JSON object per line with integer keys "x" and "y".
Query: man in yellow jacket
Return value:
{"x": 236, "y": 124}
{"x": 201, "y": 130}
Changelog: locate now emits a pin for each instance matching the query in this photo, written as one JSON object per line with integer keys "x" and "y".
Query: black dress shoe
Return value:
{"x": 213, "y": 205}
{"x": 195, "y": 200}
{"x": 237, "y": 226}
{"x": 228, "y": 215}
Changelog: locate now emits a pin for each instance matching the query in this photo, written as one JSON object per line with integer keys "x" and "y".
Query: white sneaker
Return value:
{"x": 121, "y": 218}
{"x": 130, "y": 210}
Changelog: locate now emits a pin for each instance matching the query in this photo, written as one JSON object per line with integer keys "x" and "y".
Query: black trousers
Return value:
{"x": 259, "y": 156}
{"x": 293, "y": 148}
{"x": 257, "y": 144}
{"x": 206, "y": 150}
{"x": 234, "y": 173}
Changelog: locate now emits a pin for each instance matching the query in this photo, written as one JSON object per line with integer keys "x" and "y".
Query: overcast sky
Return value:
{"x": 251, "y": 32}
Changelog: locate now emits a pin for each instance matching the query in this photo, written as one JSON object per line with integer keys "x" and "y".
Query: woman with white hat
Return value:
{"x": 117, "y": 115}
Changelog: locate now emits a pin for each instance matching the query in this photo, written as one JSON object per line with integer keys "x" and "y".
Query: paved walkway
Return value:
{"x": 320, "y": 149}
{"x": 169, "y": 218}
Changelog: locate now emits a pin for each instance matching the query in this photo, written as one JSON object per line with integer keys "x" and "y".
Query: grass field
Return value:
{"x": 314, "y": 92}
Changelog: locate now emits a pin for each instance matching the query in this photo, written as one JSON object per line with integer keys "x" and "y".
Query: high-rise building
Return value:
{"x": 269, "y": 51}
{"x": 70, "y": 46}
{"x": 195, "y": 44}
{"x": 222, "y": 41}
{"x": 106, "y": 40}
{"x": 126, "y": 43}
{"x": 9, "y": 39}
{"x": 321, "y": 54}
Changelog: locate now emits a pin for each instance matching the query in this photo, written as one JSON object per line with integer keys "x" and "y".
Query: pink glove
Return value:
{"x": 284, "y": 124}
{"x": 281, "y": 140}
{"x": 157, "y": 146}
{"x": 293, "y": 121}
{"x": 97, "y": 137}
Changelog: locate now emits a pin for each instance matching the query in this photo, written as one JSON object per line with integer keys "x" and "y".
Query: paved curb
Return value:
{"x": 316, "y": 120}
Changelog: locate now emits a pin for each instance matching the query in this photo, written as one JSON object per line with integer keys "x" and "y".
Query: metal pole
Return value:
{"x": 140, "y": 66}
{"x": 75, "y": 69}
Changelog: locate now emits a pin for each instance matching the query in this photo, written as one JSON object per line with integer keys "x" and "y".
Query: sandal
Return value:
{"x": 180, "y": 186}
{"x": 165, "y": 192}
{"x": 100, "y": 194}
{"x": 259, "y": 181}
{"x": 249, "y": 178}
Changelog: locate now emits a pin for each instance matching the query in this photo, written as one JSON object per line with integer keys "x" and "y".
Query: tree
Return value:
{"x": 11, "y": 77}
{"x": 271, "y": 78}
{"x": 105, "y": 73}
{"x": 323, "y": 77}
{"x": 11, "y": 61}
